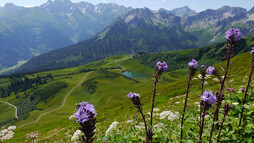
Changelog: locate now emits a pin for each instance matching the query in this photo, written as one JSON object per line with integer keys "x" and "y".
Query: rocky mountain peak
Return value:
{"x": 10, "y": 5}
{"x": 232, "y": 10}
{"x": 251, "y": 11}
{"x": 182, "y": 11}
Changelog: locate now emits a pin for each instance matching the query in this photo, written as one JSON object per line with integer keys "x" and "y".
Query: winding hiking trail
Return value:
{"x": 123, "y": 68}
{"x": 16, "y": 114}
{"x": 58, "y": 107}
{"x": 120, "y": 65}
{"x": 178, "y": 96}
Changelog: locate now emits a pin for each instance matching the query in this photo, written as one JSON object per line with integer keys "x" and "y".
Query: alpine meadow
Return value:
{"x": 111, "y": 71}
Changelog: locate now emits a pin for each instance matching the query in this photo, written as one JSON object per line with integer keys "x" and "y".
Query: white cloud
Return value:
{"x": 28, "y": 6}
{"x": 163, "y": 0}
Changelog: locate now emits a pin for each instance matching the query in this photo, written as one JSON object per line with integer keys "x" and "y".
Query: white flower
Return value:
{"x": 8, "y": 136}
{"x": 1, "y": 134}
{"x": 10, "y": 132}
{"x": 156, "y": 109}
{"x": 72, "y": 118}
{"x": 129, "y": 121}
{"x": 139, "y": 127}
{"x": 207, "y": 116}
{"x": 205, "y": 83}
{"x": 74, "y": 138}
{"x": 194, "y": 78}
{"x": 177, "y": 102}
{"x": 4, "y": 131}
{"x": 112, "y": 127}
{"x": 216, "y": 79}
{"x": 158, "y": 125}
{"x": 11, "y": 128}
{"x": 235, "y": 103}
{"x": 165, "y": 114}
{"x": 172, "y": 117}
{"x": 199, "y": 76}
{"x": 232, "y": 80}
{"x": 208, "y": 76}
{"x": 3, "y": 138}
{"x": 78, "y": 133}
{"x": 197, "y": 103}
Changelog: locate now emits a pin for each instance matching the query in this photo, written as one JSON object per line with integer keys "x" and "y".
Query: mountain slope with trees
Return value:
{"x": 29, "y": 32}
{"x": 143, "y": 29}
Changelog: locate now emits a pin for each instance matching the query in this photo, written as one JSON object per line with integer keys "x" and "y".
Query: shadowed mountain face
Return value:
{"x": 143, "y": 29}
{"x": 28, "y": 32}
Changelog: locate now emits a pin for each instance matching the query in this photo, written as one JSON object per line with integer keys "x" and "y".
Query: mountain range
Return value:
{"x": 152, "y": 31}
{"x": 28, "y": 32}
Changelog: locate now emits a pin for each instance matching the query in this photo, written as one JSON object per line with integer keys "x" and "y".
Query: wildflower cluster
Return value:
{"x": 32, "y": 135}
{"x": 208, "y": 97}
{"x": 85, "y": 116}
{"x": 8, "y": 133}
{"x": 233, "y": 34}
{"x": 161, "y": 66}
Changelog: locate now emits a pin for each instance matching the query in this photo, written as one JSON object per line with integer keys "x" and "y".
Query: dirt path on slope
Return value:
{"x": 58, "y": 107}
{"x": 16, "y": 113}
{"x": 120, "y": 65}
{"x": 178, "y": 96}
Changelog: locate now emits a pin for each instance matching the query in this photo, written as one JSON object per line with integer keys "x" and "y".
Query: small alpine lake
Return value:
{"x": 135, "y": 75}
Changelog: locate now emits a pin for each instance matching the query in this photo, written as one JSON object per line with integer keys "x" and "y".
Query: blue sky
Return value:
{"x": 197, "y": 5}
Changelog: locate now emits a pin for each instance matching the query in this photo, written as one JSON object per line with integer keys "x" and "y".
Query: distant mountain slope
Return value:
{"x": 208, "y": 55}
{"x": 142, "y": 29}
{"x": 210, "y": 25}
{"x": 28, "y": 32}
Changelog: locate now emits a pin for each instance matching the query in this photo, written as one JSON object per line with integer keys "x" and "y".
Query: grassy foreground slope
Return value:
{"x": 106, "y": 88}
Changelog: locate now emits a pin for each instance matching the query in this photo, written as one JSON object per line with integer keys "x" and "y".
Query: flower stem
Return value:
{"x": 154, "y": 94}
{"x": 216, "y": 112}
{"x": 226, "y": 109}
{"x": 185, "y": 104}
{"x": 224, "y": 118}
{"x": 244, "y": 100}
{"x": 143, "y": 116}
{"x": 144, "y": 119}
{"x": 202, "y": 126}
{"x": 202, "y": 91}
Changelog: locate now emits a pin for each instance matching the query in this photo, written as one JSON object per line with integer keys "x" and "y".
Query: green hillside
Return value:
{"x": 102, "y": 84}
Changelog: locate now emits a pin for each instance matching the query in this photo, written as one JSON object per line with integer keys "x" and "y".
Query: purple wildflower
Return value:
{"x": 210, "y": 70}
{"x": 202, "y": 66}
{"x": 84, "y": 112}
{"x": 193, "y": 63}
{"x": 242, "y": 90}
{"x": 136, "y": 115}
{"x": 233, "y": 34}
{"x": 230, "y": 89}
{"x": 131, "y": 95}
{"x": 162, "y": 66}
{"x": 208, "y": 97}
{"x": 252, "y": 50}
